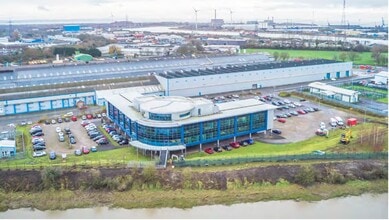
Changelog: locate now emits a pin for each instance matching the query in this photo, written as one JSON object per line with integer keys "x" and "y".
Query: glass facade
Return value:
{"x": 160, "y": 117}
{"x": 190, "y": 134}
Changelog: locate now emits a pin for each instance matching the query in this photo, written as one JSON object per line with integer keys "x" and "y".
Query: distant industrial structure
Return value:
{"x": 250, "y": 76}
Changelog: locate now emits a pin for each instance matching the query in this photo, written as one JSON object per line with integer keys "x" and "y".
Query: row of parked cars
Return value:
{"x": 94, "y": 133}
{"x": 38, "y": 143}
{"x": 111, "y": 130}
{"x": 281, "y": 117}
{"x": 230, "y": 146}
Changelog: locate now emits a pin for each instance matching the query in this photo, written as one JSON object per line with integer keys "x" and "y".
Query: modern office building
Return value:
{"x": 250, "y": 76}
{"x": 169, "y": 123}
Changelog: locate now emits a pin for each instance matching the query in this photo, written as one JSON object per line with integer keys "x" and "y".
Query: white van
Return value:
{"x": 333, "y": 122}
{"x": 339, "y": 121}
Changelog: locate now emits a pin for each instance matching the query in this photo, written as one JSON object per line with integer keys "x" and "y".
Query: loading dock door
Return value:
{"x": 347, "y": 73}
{"x": 337, "y": 74}
{"x": 328, "y": 76}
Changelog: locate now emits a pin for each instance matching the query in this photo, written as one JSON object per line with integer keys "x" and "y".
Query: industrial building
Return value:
{"x": 332, "y": 92}
{"x": 250, "y": 76}
{"x": 381, "y": 78}
{"x": 7, "y": 148}
{"x": 170, "y": 123}
{"x": 12, "y": 105}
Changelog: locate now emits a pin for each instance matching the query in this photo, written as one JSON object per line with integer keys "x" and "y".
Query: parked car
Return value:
{"x": 301, "y": 112}
{"x": 73, "y": 118}
{"x": 53, "y": 121}
{"x": 208, "y": 150}
{"x": 58, "y": 129}
{"x": 333, "y": 122}
{"x": 123, "y": 142}
{"x": 52, "y": 155}
{"x": 102, "y": 141}
{"x": 97, "y": 137}
{"x": 38, "y": 134}
{"x": 235, "y": 144}
{"x": 276, "y": 131}
{"x": 78, "y": 152}
{"x": 66, "y": 119}
{"x": 47, "y": 122}
{"x": 217, "y": 149}
{"x": 38, "y": 147}
{"x": 98, "y": 115}
{"x": 85, "y": 123}
{"x": 39, "y": 154}
{"x": 67, "y": 130}
{"x": 72, "y": 140}
{"x": 59, "y": 120}
{"x": 227, "y": 147}
{"x": 93, "y": 149}
{"x": 61, "y": 138}
{"x": 103, "y": 115}
{"x": 83, "y": 117}
{"x": 89, "y": 116}
{"x": 85, "y": 150}
{"x": 339, "y": 121}
{"x": 243, "y": 143}
{"x": 294, "y": 113}
{"x": 282, "y": 120}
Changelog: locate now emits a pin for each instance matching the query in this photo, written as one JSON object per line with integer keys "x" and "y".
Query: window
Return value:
{"x": 227, "y": 126}
{"x": 160, "y": 117}
{"x": 243, "y": 123}
{"x": 185, "y": 115}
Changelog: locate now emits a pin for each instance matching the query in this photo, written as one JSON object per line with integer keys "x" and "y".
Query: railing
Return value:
{"x": 281, "y": 158}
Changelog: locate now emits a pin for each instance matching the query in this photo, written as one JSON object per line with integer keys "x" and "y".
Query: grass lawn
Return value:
{"x": 383, "y": 100}
{"x": 307, "y": 146}
{"x": 364, "y": 57}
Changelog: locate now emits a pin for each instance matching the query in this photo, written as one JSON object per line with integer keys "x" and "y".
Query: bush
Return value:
{"x": 149, "y": 174}
{"x": 306, "y": 176}
{"x": 334, "y": 177}
{"x": 51, "y": 176}
{"x": 284, "y": 94}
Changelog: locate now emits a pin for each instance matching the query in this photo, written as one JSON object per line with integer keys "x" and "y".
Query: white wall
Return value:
{"x": 208, "y": 84}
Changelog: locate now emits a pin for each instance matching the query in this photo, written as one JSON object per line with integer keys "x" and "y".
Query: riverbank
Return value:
{"x": 54, "y": 188}
{"x": 66, "y": 199}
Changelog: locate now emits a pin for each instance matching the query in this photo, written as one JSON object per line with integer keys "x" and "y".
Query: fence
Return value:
{"x": 281, "y": 158}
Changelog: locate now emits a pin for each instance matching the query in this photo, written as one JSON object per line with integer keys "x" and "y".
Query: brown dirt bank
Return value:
{"x": 108, "y": 179}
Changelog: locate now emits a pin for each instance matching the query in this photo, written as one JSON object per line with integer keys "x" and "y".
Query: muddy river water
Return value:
{"x": 366, "y": 206}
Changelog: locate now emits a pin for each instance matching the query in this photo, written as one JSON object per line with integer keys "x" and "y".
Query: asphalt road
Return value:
{"x": 88, "y": 72}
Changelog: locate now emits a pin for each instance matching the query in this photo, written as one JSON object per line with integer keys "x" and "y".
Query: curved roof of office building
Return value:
{"x": 166, "y": 104}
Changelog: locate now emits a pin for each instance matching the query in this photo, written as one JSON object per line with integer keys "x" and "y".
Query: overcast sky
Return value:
{"x": 364, "y": 12}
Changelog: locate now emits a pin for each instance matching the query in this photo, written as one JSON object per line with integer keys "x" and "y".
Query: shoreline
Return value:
{"x": 186, "y": 198}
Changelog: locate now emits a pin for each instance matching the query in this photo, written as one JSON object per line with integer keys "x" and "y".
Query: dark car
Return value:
{"x": 59, "y": 120}
{"x": 276, "y": 131}
{"x": 67, "y": 130}
{"x": 208, "y": 150}
{"x": 38, "y": 147}
{"x": 217, "y": 149}
{"x": 227, "y": 147}
{"x": 243, "y": 143}
{"x": 47, "y": 122}
{"x": 72, "y": 140}
{"x": 52, "y": 155}
{"x": 102, "y": 141}
{"x": 66, "y": 119}
{"x": 316, "y": 109}
{"x": 38, "y": 134}
{"x": 33, "y": 131}
{"x": 123, "y": 142}
{"x": 97, "y": 137}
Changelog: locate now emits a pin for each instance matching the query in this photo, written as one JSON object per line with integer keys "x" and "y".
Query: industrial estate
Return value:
{"x": 192, "y": 95}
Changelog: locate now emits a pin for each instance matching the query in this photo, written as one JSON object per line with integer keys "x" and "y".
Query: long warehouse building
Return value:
{"x": 250, "y": 76}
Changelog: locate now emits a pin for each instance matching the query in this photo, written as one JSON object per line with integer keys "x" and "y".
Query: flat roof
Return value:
{"x": 242, "y": 68}
{"x": 228, "y": 109}
{"x": 326, "y": 87}
{"x": 7, "y": 143}
{"x": 167, "y": 104}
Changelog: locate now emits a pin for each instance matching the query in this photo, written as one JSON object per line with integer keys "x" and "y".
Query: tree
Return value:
{"x": 284, "y": 55}
{"x": 376, "y": 52}
{"x": 276, "y": 55}
{"x": 383, "y": 60}
{"x": 114, "y": 50}
{"x": 335, "y": 57}
{"x": 353, "y": 55}
{"x": 343, "y": 56}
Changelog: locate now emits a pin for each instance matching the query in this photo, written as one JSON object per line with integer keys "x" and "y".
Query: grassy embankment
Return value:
{"x": 363, "y": 58}
{"x": 154, "y": 198}
{"x": 330, "y": 144}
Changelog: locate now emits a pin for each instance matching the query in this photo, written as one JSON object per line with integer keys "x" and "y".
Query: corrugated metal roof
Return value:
{"x": 329, "y": 88}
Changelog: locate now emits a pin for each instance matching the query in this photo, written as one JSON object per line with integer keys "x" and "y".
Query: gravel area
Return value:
{"x": 79, "y": 132}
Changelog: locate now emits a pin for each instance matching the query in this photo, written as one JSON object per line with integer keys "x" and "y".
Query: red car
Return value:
{"x": 89, "y": 116}
{"x": 208, "y": 150}
{"x": 301, "y": 112}
{"x": 85, "y": 123}
{"x": 73, "y": 118}
{"x": 85, "y": 150}
{"x": 282, "y": 120}
{"x": 235, "y": 144}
